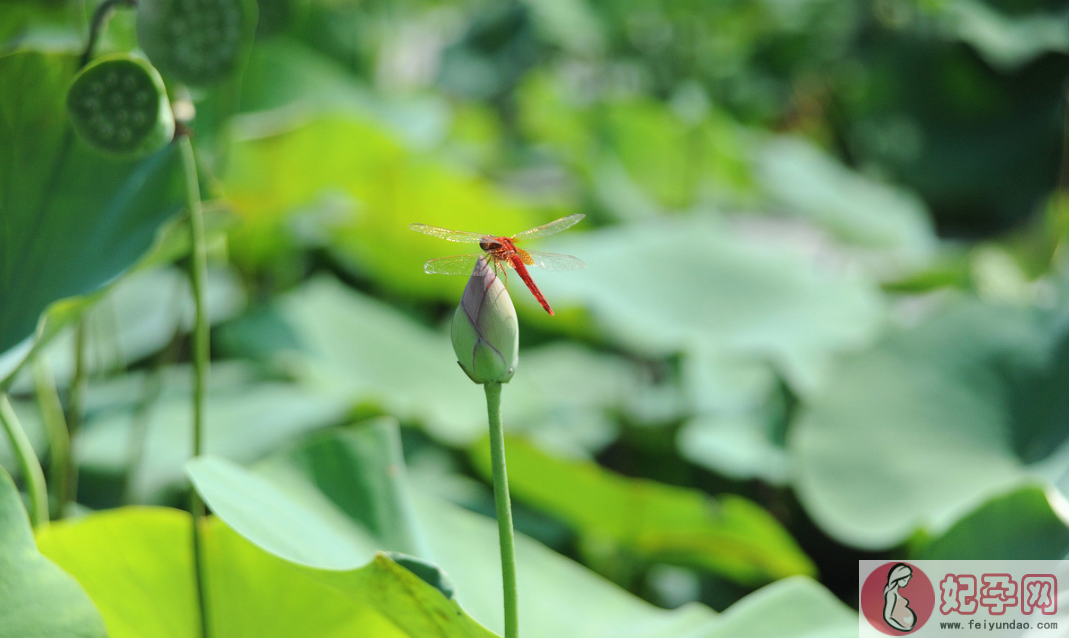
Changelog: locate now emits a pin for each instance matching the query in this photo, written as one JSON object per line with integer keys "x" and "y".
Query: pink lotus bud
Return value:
{"x": 486, "y": 335}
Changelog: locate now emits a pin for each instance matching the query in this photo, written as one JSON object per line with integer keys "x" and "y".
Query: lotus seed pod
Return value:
{"x": 198, "y": 42}
{"x": 118, "y": 104}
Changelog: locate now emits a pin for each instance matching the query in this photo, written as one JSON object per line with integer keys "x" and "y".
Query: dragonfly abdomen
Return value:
{"x": 521, "y": 270}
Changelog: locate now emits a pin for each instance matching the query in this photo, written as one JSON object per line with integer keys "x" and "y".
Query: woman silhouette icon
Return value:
{"x": 896, "y": 611}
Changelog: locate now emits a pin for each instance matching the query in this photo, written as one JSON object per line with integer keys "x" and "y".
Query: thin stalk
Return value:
{"x": 100, "y": 18}
{"x": 68, "y": 490}
{"x": 198, "y": 273}
{"x": 506, "y": 536}
{"x": 28, "y": 463}
{"x": 59, "y": 439}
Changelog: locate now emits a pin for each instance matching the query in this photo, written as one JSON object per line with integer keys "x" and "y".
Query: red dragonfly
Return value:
{"x": 503, "y": 253}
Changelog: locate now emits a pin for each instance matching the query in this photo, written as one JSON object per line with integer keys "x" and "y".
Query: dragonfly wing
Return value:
{"x": 450, "y": 235}
{"x": 455, "y": 265}
{"x": 552, "y": 228}
{"x": 554, "y": 261}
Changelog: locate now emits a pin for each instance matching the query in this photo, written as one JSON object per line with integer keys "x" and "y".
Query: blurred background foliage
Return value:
{"x": 824, "y": 318}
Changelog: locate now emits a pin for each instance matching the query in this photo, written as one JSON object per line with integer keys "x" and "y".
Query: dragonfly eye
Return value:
{"x": 490, "y": 245}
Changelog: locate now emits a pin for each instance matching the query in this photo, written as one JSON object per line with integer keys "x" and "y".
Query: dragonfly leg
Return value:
{"x": 500, "y": 273}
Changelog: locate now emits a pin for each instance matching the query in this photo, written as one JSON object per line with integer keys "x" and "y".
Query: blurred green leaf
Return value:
{"x": 285, "y": 517}
{"x": 24, "y": 23}
{"x": 40, "y": 600}
{"x": 171, "y": 243}
{"x": 1008, "y": 41}
{"x": 1028, "y": 523}
{"x": 415, "y": 606}
{"x": 572, "y": 24}
{"x": 891, "y": 224}
{"x": 1038, "y": 403}
{"x": 137, "y": 565}
{"x": 976, "y": 143}
{"x": 730, "y": 535}
{"x": 739, "y": 446}
{"x": 246, "y": 419}
{"x": 284, "y": 73}
{"x": 288, "y": 82}
{"x": 676, "y": 286}
{"x": 739, "y": 414}
{"x": 73, "y": 219}
{"x": 52, "y": 322}
{"x": 565, "y": 395}
{"x": 367, "y": 189}
{"x": 137, "y": 316}
{"x": 661, "y": 153}
{"x": 362, "y": 350}
{"x": 329, "y": 503}
{"x": 793, "y": 607}
{"x": 556, "y": 118}
{"x": 427, "y": 571}
{"x": 946, "y": 403}
{"x": 641, "y": 155}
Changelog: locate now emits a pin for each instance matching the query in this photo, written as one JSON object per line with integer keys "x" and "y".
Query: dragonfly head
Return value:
{"x": 490, "y": 244}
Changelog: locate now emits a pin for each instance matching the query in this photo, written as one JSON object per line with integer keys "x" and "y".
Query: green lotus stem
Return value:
{"x": 28, "y": 463}
{"x": 486, "y": 340}
{"x": 59, "y": 440}
{"x": 198, "y": 273}
{"x": 506, "y": 536}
